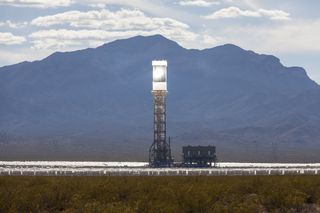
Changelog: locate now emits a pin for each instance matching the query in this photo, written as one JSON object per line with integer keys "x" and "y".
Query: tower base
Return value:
{"x": 160, "y": 156}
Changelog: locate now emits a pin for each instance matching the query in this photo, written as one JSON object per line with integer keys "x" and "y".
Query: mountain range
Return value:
{"x": 96, "y": 104}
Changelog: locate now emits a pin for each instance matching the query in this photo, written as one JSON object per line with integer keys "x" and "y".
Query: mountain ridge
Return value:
{"x": 73, "y": 104}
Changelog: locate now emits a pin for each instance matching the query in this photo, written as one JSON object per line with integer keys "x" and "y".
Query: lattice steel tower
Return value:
{"x": 160, "y": 152}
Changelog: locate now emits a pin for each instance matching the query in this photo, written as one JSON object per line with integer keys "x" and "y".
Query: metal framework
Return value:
{"x": 160, "y": 151}
{"x": 199, "y": 156}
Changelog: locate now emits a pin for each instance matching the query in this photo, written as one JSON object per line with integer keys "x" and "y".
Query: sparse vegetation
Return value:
{"x": 160, "y": 194}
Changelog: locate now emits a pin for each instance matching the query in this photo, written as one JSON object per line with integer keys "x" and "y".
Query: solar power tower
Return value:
{"x": 160, "y": 152}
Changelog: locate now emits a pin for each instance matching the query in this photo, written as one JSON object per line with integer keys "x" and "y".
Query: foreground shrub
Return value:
{"x": 160, "y": 194}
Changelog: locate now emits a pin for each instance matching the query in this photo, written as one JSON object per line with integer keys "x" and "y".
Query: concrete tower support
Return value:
{"x": 160, "y": 152}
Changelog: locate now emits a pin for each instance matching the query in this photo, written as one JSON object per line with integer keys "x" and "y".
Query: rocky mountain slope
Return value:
{"x": 95, "y": 104}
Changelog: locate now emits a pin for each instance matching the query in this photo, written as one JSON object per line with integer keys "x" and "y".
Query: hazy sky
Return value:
{"x": 288, "y": 29}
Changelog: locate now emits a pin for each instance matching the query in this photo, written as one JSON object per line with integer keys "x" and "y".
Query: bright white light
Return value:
{"x": 159, "y": 74}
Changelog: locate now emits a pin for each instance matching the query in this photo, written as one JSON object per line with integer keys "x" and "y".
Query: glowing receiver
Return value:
{"x": 159, "y": 75}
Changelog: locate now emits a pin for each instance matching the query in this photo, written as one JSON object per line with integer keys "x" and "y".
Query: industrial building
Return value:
{"x": 199, "y": 156}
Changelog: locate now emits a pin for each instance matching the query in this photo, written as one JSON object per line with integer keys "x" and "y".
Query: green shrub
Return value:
{"x": 159, "y": 194}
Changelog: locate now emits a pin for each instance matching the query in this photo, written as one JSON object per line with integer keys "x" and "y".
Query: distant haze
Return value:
{"x": 96, "y": 104}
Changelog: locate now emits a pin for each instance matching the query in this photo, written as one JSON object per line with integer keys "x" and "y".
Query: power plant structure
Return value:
{"x": 199, "y": 156}
{"x": 160, "y": 151}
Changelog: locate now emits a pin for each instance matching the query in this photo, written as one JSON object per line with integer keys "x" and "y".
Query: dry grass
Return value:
{"x": 160, "y": 194}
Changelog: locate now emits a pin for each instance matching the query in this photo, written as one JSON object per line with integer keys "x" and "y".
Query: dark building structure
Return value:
{"x": 199, "y": 156}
